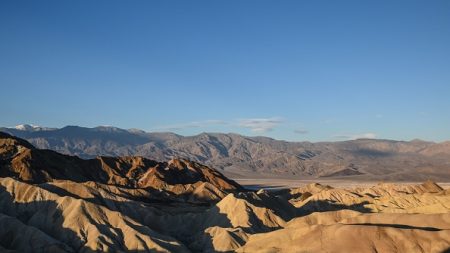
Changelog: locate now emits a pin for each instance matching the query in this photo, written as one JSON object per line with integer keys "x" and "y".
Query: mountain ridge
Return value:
{"x": 243, "y": 156}
{"x": 20, "y": 160}
{"x": 27, "y": 127}
{"x": 51, "y": 202}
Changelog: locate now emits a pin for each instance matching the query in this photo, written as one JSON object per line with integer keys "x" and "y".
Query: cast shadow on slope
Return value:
{"x": 327, "y": 205}
{"x": 154, "y": 212}
{"x": 30, "y": 218}
{"x": 207, "y": 244}
{"x": 100, "y": 200}
{"x": 47, "y": 221}
{"x": 400, "y": 226}
{"x": 371, "y": 153}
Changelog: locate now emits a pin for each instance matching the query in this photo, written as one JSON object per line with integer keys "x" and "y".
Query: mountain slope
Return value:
{"x": 75, "y": 225}
{"x": 241, "y": 156}
{"x": 51, "y": 202}
{"x": 21, "y": 160}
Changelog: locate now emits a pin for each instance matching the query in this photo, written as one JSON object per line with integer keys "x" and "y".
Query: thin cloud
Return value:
{"x": 355, "y": 136}
{"x": 256, "y": 125}
{"x": 301, "y": 131}
{"x": 193, "y": 124}
{"x": 260, "y": 125}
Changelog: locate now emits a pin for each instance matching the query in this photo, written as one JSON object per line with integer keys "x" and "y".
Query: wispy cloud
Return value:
{"x": 193, "y": 124}
{"x": 355, "y": 136}
{"x": 301, "y": 131}
{"x": 256, "y": 125}
{"x": 260, "y": 125}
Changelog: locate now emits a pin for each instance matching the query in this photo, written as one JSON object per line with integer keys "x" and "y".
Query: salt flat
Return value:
{"x": 281, "y": 183}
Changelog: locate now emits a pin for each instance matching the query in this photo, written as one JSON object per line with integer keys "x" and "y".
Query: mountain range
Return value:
{"x": 240, "y": 156}
{"x": 51, "y": 202}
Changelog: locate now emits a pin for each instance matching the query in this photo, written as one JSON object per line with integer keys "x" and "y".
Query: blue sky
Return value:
{"x": 293, "y": 70}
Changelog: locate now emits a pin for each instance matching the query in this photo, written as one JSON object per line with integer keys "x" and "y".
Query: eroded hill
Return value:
{"x": 56, "y": 203}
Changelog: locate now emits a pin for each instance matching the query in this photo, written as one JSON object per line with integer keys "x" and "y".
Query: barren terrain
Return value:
{"x": 239, "y": 156}
{"x": 57, "y": 203}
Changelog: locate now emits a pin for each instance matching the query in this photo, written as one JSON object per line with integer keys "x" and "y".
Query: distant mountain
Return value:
{"x": 30, "y": 128}
{"x": 50, "y": 202}
{"x": 20, "y": 160}
{"x": 250, "y": 157}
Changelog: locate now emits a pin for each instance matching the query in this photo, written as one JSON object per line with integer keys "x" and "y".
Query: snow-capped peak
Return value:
{"x": 26, "y": 127}
{"x": 31, "y": 127}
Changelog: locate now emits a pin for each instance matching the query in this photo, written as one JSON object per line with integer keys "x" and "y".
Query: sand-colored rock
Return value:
{"x": 22, "y": 238}
{"x": 56, "y": 203}
{"x": 383, "y": 218}
{"x": 421, "y": 198}
{"x": 83, "y": 226}
{"x": 350, "y": 238}
{"x": 182, "y": 177}
{"x": 219, "y": 239}
{"x": 237, "y": 212}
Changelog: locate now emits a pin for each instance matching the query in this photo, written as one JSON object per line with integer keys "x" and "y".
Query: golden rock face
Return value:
{"x": 29, "y": 164}
{"x": 51, "y": 202}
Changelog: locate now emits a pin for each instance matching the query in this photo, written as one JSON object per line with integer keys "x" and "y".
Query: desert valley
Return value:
{"x": 202, "y": 126}
{"x": 51, "y": 202}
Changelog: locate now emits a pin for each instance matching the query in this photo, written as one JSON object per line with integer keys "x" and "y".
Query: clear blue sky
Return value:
{"x": 293, "y": 70}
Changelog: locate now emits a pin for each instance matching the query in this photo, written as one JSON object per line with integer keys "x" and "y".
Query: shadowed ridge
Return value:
{"x": 197, "y": 172}
{"x": 242, "y": 213}
{"x": 7, "y": 140}
{"x": 76, "y": 224}
{"x": 237, "y": 155}
{"x": 143, "y": 205}
{"x": 21, "y": 160}
{"x": 431, "y": 187}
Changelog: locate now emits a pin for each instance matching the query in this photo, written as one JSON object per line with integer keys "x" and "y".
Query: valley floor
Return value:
{"x": 50, "y": 202}
{"x": 281, "y": 183}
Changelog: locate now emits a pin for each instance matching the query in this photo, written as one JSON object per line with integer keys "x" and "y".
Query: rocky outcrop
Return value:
{"x": 21, "y": 160}
{"x": 51, "y": 202}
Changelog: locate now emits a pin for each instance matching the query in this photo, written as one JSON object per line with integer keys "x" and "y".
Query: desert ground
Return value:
{"x": 50, "y": 202}
{"x": 281, "y": 183}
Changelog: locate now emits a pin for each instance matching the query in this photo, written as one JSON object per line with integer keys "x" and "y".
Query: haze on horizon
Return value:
{"x": 293, "y": 70}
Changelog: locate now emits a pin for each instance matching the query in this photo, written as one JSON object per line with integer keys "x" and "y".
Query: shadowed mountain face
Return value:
{"x": 240, "y": 156}
{"x": 21, "y": 160}
{"x": 50, "y": 202}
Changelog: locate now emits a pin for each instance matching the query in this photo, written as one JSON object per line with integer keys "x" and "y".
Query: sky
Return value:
{"x": 291, "y": 70}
